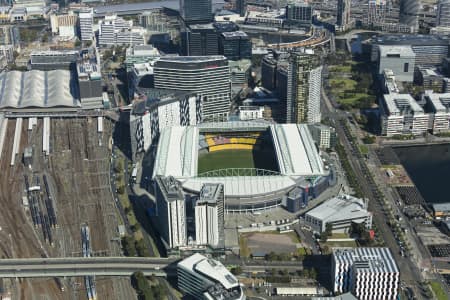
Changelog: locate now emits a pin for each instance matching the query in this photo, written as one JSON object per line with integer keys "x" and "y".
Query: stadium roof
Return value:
{"x": 296, "y": 152}
{"x": 297, "y": 156}
{"x": 340, "y": 208}
{"x": 36, "y": 89}
{"x": 243, "y": 185}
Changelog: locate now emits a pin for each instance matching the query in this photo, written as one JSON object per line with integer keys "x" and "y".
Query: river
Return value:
{"x": 429, "y": 168}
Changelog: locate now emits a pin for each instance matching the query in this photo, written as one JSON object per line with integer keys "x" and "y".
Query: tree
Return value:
{"x": 141, "y": 248}
{"x": 77, "y": 43}
{"x": 329, "y": 229}
{"x": 236, "y": 270}
{"x": 118, "y": 167}
{"x": 313, "y": 274}
{"x": 128, "y": 245}
{"x": 323, "y": 236}
{"x": 121, "y": 189}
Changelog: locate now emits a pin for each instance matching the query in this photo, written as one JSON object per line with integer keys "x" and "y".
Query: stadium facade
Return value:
{"x": 298, "y": 162}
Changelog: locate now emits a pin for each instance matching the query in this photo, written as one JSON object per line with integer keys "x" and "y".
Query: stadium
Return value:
{"x": 259, "y": 163}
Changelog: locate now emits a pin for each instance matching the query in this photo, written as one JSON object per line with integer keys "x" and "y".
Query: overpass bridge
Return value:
{"x": 85, "y": 266}
{"x": 112, "y": 266}
{"x": 318, "y": 38}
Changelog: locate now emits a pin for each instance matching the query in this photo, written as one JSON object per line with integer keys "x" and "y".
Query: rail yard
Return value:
{"x": 55, "y": 184}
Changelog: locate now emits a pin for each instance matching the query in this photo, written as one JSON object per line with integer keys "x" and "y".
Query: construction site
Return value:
{"x": 57, "y": 202}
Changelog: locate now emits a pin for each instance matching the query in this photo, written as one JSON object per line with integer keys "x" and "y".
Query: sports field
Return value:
{"x": 242, "y": 158}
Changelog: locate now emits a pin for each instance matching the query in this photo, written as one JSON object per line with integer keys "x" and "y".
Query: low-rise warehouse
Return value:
{"x": 340, "y": 212}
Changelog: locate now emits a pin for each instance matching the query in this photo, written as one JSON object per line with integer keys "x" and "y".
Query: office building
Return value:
{"x": 369, "y": 273}
{"x": 343, "y": 14}
{"x": 430, "y": 79}
{"x": 401, "y": 114}
{"x": 158, "y": 110}
{"x": 443, "y": 13}
{"x": 409, "y": 13}
{"x": 240, "y": 72}
{"x": 430, "y": 50}
{"x": 247, "y": 113}
{"x": 171, "y": 212}
{"x": 114, "y": 30}
{"x": 160, "y": 20}
{"x": 400, "y": 59}
{"x": 268, "y": 72}
{"x": 140, "y": 77}
{"x": 53, "y": 60}
{"x": 439, "y": 105}
{"x": 196, "y": 11}
{"x": 139, "y": 54}
{"x": 208, "y": 76}
{"x": 209, "y": 216}
{"x": 86, "y": 19}
{"x": 204, "y": 278}
{"x": 339, "y": 212}
{"x": 235, "y": 45}
{"x": 200, "y": 40}
{"x": 64, "y": 25}
{"x": 299, "y": 14}
{"x": 271, "y": 18}
{"x": 90, "y": 82}
{"x": 303, "y": 90}
{"x": 441, "y": 210}
{"x": 241, "y": 7}
{"x": 324, "y": 136}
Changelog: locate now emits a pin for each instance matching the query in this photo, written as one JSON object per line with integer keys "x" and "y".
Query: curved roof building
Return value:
{"x": 37, "y": 90}
{"x": 294, "y": 152}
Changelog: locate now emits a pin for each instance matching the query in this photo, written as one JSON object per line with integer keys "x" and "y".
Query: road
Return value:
{"x": 112, "y": 266}
{"x": 408, "y": 270}
{"x": 84, "y": 266}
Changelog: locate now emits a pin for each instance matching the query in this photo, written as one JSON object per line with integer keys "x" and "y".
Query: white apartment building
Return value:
{"x": 401, "y": 114}
{"x": 209, "y": 216}
{"x": 324, "y": 136}
{"x": 64, "y": 25}
{"x": 86, "y": 19}
{"x": 208, "y": 279}
{"x": 114, "y": 30}
{"x": 171, "y": 212}
{"x": 247, "y": 113}
{"x": 369, "y": 273}
{"x": 315, "y": 85}
{"x": 440, "y": 106}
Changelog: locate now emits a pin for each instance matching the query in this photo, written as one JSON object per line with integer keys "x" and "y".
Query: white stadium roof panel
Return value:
{"x": 243, "y": 185}
{"x": 297, "y": 156}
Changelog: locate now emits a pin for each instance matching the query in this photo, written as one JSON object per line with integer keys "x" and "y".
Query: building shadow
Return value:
{"x": 121, "y": 134}
{"x": 322, "y": 264}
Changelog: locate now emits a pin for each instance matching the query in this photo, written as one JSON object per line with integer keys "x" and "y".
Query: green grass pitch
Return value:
{"x": 226, "y": 159}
